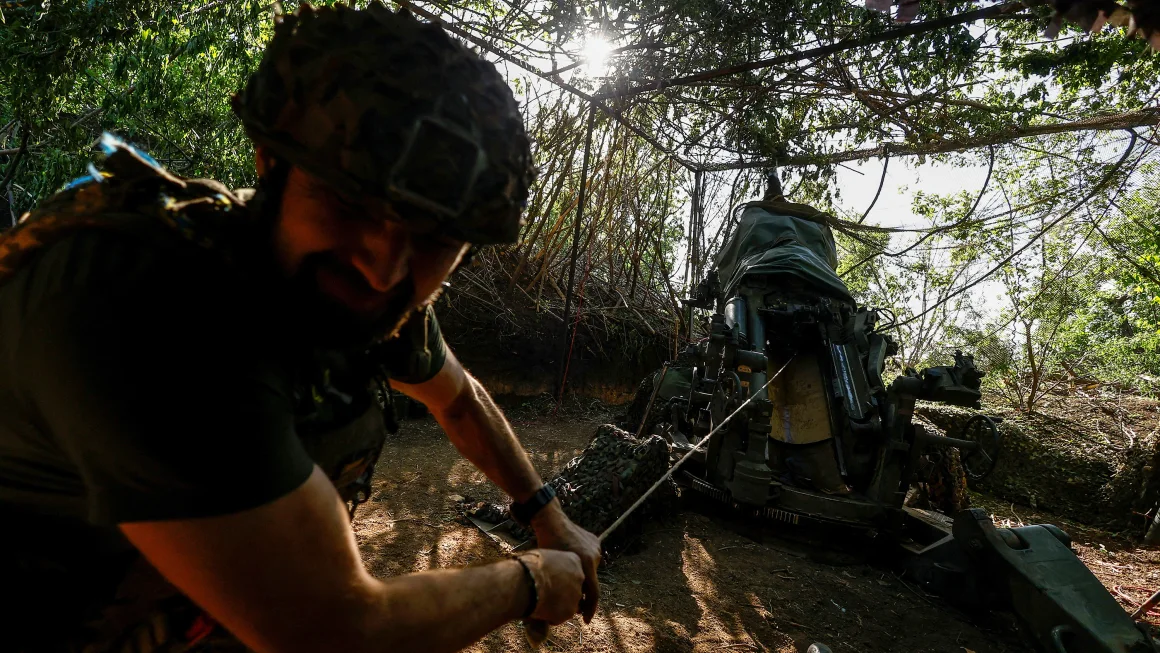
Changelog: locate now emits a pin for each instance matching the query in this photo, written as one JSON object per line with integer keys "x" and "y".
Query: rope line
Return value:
{"x": 673, "y": 468}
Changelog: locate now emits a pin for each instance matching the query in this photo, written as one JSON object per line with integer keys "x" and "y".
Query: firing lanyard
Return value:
{"x": 673, "y": 468}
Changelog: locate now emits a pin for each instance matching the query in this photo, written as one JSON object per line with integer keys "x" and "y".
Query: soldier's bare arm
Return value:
{"x": 479, "y": 430}
{"x": 477, "y": 427}
{"x": 287, "y": 577}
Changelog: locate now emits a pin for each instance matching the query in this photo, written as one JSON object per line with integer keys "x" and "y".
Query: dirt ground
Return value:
{"x": 697, "y": 582}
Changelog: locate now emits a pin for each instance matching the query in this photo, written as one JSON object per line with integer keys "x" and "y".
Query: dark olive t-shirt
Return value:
{"x": 141, "y": 378}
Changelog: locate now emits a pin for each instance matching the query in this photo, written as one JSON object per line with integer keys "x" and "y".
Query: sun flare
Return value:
{"x": 596, "y": 53}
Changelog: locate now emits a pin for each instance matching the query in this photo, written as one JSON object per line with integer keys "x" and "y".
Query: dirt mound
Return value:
{"x": 516, "y": 349}
{"x": 1089, "y": 459}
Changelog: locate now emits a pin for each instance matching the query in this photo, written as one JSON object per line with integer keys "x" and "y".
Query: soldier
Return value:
{"x": 167, "y": 345}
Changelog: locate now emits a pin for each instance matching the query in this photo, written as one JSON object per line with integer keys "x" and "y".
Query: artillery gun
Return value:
{"x": 827, "y": 439}
{"x": 818, "y": 437}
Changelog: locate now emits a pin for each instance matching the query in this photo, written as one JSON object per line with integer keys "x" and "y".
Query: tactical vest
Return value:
{"x": 342, "y": 428}
{"x": 342, "y": 422}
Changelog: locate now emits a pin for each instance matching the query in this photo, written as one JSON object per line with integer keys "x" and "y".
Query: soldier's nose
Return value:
{"x": 384, "y": 256}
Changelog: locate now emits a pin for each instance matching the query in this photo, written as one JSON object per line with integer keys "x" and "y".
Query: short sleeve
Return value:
{"x": 165, "y": 391}
{"x": 417, "y": 352}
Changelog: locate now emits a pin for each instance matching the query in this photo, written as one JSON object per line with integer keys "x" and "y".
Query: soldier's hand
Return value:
{"x": 555, "y": 531}
{"x": 559, "y": 584}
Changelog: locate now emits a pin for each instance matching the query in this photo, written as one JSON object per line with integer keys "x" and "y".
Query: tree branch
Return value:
{"x": 1048, "y": 227}
{"x": 10, "y": 173}
{"x": 613, "y": 113}
{"x": 881, "y": 183}
{"x": 1142, "y": 118}
{"x": 826, "y": 50}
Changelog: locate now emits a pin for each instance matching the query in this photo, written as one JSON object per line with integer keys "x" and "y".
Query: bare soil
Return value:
{"x": 698, "y": 582}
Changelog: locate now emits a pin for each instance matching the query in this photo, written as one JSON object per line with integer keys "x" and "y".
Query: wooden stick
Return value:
{"x": 1147, "y": 605}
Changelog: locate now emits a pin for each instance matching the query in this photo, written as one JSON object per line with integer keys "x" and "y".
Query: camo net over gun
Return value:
{"x": 597, "y": 486}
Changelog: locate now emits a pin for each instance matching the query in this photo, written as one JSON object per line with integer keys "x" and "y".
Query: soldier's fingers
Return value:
{"x": 591, "y": 591}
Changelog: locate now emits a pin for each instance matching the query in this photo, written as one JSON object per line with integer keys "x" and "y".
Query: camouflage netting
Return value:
{"x": 597, "y": 486}
{"x": 1040, "y": 466}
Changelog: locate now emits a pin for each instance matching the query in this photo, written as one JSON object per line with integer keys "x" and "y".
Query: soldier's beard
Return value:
{"x": 314, "y": 317}
{"x": 327, "y": 323}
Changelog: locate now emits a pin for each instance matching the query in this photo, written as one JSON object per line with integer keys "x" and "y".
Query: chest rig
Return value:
{"x": 341, "y": 407}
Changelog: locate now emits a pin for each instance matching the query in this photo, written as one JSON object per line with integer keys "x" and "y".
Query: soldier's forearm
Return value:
{"x": 479, "y": 430}
{"x": 282, "y": 588}
{"x": 446, "y": 610}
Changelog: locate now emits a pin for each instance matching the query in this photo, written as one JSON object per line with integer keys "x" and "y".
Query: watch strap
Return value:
{"x": 524, "y": 511}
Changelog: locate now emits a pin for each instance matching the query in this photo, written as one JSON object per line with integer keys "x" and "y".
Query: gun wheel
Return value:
{"x": 980, "y": 461}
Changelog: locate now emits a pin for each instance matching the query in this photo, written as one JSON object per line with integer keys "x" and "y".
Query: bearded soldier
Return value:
{"x": 187, "y": 373}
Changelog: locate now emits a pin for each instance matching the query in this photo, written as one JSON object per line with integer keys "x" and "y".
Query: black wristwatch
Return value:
{"x": 523, "y": 512}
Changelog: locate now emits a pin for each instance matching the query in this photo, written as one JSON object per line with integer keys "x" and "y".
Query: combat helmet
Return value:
{"x": 385, "y": 107}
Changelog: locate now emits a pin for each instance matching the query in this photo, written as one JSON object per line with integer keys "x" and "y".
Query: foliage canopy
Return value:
{"x": 1052, "y": 267}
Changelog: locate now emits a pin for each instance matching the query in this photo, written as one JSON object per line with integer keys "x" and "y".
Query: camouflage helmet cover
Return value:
{"x": 382, "y": 106}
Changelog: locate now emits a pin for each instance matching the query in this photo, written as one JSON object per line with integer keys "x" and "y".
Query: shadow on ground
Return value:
{"x": 690, "y": 583}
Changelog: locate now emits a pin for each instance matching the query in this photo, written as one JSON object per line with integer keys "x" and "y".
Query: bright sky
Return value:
{"x": 903, "y": 177}
{"x": 858, "y": 182}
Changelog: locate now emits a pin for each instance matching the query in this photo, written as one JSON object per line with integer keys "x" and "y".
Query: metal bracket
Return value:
{"x": 1063, "y": 604}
